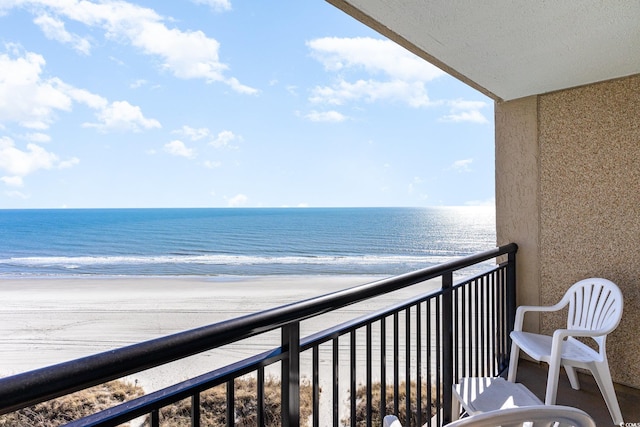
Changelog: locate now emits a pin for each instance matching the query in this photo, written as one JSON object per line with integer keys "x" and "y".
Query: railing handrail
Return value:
{"x": 31, "y": 387}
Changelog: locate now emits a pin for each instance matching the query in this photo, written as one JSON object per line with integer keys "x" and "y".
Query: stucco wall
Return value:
{"x": 568, "y": 192}
{"x": 517, "y": 188}
{"x": 589, "y": 160}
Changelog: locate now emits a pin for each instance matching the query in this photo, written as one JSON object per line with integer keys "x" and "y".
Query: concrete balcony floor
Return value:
{"x": 588, "y": 398}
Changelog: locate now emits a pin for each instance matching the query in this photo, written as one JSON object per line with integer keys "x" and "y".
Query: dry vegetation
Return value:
{"x": 73, "y": 406}
{"x": 213, "y": 406}
{"x": 376, "y": 419}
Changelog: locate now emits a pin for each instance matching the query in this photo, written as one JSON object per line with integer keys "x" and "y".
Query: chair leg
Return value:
{"x": 602, "y": 376}
{"x": 552, "y": 384}
{"x": 573, "y": 377}
{"x": 513, "y": 362}
{"x": 455, "y": 408}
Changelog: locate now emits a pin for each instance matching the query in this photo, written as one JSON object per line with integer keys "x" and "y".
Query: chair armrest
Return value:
{"x": 564, "y": 333}
{"x": 520, "y": 312}
{"x": 560, "y": 334}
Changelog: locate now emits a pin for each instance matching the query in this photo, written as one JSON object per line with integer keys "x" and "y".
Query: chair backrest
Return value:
{"x": 540, "y": 415}
{"x": 594, "y": 304}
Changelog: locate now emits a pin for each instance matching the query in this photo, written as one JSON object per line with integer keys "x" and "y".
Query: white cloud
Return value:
{"x": 412, "y": 93}
{"x": 417, "y": 181}
{"x": 224, "y": 139}
{"x": 292, "y": 89}
{"x": 326, "y": 116}
{"x": 38, "y": 137}
{"x": 466, "y": 116}
{"x": 462, "y": 165}
{"x": 54, "y": 29}
{"x": 178, "y": 148}
{"x": 120, "y": 115}
{"x": 209, "y": 164}
{"x": 18, "y": 163}
{"x": 217, "y": 5}
{"x": 33, "y": 101}
{"x": 138, "y": 83}
{"x": 193, "y": 134}
{"x": 25, "y": 97}
{"x": 376, "y": 56}
{"x": 12, "y": 181}
{"x": 238, "y": 200}
{"x": 400, "y": 75}
{"x": 65, "y": 164}
{"x": 82, "y": 96}
{"x": 185, "y": 54}
{"x": 465, "y": 111}
{"x": 16, "y": 194}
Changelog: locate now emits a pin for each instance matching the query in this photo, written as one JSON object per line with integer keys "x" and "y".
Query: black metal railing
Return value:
{"x": 418, "y": 348}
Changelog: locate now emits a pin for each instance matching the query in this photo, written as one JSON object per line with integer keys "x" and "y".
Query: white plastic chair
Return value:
{"x": 595, "y": 309}
{"x": 539, "y": 415}
{"x": 391, "y": 421}
{"x": 543, "y": 415}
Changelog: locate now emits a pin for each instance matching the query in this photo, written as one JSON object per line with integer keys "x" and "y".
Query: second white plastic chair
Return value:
{"x": 595, "y": 309}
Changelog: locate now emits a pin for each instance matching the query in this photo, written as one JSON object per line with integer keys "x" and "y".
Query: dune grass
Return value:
{"x": 64, "y": 409}
{"x": 213, "y": 404}
{"x": 376, "y": 418}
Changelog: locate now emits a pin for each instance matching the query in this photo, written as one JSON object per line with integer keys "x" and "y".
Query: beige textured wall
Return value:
{"x": 568, "y": 192}
{"x": 517, "y": 207}
{"x": 589, "y": 159}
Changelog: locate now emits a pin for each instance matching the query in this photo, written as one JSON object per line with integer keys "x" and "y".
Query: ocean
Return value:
{"x": 238, "y": 242}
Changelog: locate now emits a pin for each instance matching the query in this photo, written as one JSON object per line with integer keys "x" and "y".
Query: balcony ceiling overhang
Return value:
{"x": 513, "y": 49}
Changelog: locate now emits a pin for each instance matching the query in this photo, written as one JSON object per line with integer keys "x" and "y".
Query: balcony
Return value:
{"x": 418, "y": 347}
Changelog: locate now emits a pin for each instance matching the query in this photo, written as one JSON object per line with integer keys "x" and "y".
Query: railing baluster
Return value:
{"x": 511, "y": 296}
{"x": 476, "y": 352}
{"x": 316, "y": 386}
{"x": 438, "y": 359}
{"x": 482, "y": 325}
{"x": 231, "y": 398}
{"x": 336, "y": 382}
{"x": 492, "y": 326}
{"x": 352, "y": 375}
{"x": 495, "y": 327}
{"x": 155, "y": 418}
{"x": 291, "y": 375}
{"x": 261, "y": 404}
{"x": 369, "y": 375}
{"x": 447, "y": 346}
{"x": 429, "y": 359}
{"x": 456, "y": 334}
{"x": 419, "y": 364}
{"x": 407, "y": 357}
{"x": 506, "y": 342}
{"x": 383, "y": 366}
{"x": 195, "y": 410}
{"x": 396, "y": 364}
{"x": 463, "y": 327}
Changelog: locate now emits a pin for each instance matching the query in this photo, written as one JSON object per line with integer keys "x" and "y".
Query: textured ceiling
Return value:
{"x": 513, "y": 49}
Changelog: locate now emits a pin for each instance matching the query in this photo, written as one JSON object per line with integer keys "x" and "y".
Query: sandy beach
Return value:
{"x": 47, "y": 321}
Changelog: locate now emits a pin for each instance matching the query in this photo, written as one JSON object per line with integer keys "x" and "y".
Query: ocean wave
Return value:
{"x": 78, "y": 262}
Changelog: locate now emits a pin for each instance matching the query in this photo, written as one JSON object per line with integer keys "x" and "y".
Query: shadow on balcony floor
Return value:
{"x": 588, "y": 398}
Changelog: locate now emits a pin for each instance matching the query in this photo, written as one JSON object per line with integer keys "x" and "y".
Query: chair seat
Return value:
{"x": 539, "y": 347}
{"x": 477, "y": 395}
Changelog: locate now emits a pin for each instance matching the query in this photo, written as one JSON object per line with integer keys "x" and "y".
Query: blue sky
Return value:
{"x": 216, "y": 103}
